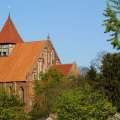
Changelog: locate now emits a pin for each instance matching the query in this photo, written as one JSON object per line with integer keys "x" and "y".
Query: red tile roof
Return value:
{"x": 16, "y": 66}
{"x": 65, "y": 69}
{"x": 9, "y": 33}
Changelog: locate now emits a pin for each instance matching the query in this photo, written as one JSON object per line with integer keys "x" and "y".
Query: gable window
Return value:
{"x": 4, "y": 53}
{"x": 52, "y": 57}
{"x": 41, "y": 62}
{"x": 40, "y": 65}
{"x": 49, "y": 58}
{"x": 5, "y": 49}
{"x": 45, "y": 56}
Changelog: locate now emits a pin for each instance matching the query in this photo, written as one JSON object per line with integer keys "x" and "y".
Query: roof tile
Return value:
{"x": 63, "y": 68}
{"x": 9, "y": 33}
{"x": 16, "y": 66}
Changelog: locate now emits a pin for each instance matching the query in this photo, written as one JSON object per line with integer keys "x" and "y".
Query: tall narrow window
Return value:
{"x": 45, "y": 59}
{"x": 52, "y": 57}
{"x": 21, "y": 94}
{"x": 40, "y": 65}
{"x": 10, "y": 90}
{"x": 49, "y": 59}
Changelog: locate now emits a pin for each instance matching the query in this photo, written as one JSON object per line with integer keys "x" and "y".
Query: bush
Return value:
{"x": 11, "y": 108}
{"x": 83, "y": 104}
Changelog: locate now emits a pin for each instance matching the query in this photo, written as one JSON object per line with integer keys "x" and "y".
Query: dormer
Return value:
{"x": 6, "y": 49}
{"x": 9, "y": 37}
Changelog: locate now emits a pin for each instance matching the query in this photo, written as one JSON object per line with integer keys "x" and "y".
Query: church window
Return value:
{"x": 49, "y": 59}
{"x": 21, "y": 94}
{"x": 5, "y": 49}
{"x": 4, "y": 53}
{"x": 45, "y": 54}
{"x": 34, "y": 76}
{"x": 41, "y": 62}
{"x": 40, "y": 66}
{"x": 10, "y": 91}
{"x": 52, "y": 57}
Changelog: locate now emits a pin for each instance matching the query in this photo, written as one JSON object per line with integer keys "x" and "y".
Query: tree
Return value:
{"x": 92, "y": 73}
{"x": 96, "y": 62}
{"x": 83, "y": 104}
{"x": 110, "y": 71}
{"x": 111, "y": 66}
{"x": 112, "y": 22}
{"x": 11, "y": 108}
{"x": 46, "y": 91}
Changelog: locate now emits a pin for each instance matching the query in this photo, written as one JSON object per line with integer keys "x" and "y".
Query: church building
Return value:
{"x": 21, "y": 62}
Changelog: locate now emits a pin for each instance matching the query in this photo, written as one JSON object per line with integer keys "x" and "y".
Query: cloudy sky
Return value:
{"x": 75, "y": 26}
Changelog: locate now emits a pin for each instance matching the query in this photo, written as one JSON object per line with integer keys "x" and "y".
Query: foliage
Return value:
{"x": 83, "y": 104}
{"x": 115, "y": 117}
{"x": 92, "y": 73}
{"x": 11, "y": 108}
{"x": 46, "y": 91}
{"x": 108, "y": 80}
{"x": 110, "y": 70}
{"x": 112, "y": 91}
{"x": 112, "y": 22}
{"x": 111, "y": 66}
{"x": 96, "y": 62}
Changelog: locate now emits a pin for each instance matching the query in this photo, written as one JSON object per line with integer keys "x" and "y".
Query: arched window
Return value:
{"x": 10, "y": 90}
{"x": 21, "y": 94}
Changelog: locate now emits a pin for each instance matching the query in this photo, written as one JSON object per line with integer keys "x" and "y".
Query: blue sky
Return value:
{"x": 75, "y": 26}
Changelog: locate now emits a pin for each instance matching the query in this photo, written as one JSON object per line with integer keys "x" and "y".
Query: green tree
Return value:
{"x": 46, "y": 91}
{"x": 92, "y": 73}
{"x": 111, "y": 66}
{"x": 110, "y": 71}
{"x": 83, "y": 104}
{"x": 11, "y": 108}
{"x": 112, "y": 22}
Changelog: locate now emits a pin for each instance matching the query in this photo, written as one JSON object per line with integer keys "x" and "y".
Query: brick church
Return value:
{"x": 21, "y": 62}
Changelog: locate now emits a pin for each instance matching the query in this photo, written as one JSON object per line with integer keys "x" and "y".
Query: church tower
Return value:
{"x": 9, "y": 37}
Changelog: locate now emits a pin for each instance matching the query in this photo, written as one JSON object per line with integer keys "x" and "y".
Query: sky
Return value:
{"x": 75, "y": 26}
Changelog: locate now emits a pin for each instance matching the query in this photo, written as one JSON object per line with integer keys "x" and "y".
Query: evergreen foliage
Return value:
{"x": 92, "y": 73}
{"x": 112, "y": 22}
{"x": 110, "y": 70}
{"x": 108, "y": 79}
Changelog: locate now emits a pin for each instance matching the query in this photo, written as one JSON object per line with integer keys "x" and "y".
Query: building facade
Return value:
{"x": 21, "y": 62}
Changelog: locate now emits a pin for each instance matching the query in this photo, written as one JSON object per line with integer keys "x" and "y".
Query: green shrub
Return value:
{"x": 83, "y": 104}
{"x": 11, "y": 108}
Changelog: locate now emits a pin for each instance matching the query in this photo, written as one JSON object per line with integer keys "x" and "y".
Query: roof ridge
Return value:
{"x": 66, "y": 64}
{"x": 35, "y": 41}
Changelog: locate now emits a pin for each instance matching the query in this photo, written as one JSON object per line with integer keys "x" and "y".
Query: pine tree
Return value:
{"x": 92, "y": 73}
{"x": 112, "y": 22}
